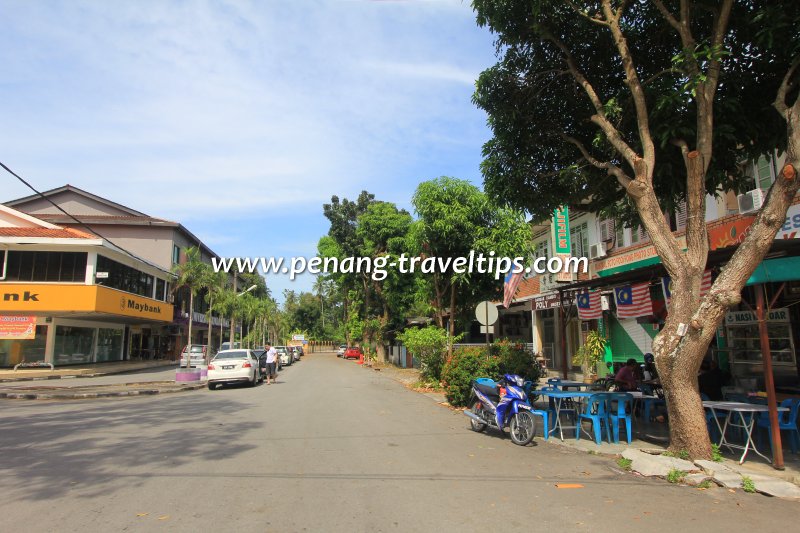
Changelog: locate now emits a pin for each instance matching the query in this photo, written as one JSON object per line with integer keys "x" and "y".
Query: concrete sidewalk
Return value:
{"x": 96, "y": 391}
{"x": 81, "y": 371}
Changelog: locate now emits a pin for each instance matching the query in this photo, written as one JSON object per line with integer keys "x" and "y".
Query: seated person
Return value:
{"x": 710, "y": 380}
{"x": 626, "y": 377}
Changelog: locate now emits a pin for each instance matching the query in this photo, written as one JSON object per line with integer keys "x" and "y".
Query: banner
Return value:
{"x": 561, "y": 240}
{"x": 17, "y": 327}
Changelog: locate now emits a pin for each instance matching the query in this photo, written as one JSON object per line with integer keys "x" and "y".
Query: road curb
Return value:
{"x": 91, "y": 395}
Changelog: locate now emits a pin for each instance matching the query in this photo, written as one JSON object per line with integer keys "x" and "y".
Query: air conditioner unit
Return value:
{"x": 597, "y": 250}
{"x": 751, "y": 201}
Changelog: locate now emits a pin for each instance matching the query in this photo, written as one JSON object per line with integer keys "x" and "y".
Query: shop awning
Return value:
{"x": 776, "y": 270}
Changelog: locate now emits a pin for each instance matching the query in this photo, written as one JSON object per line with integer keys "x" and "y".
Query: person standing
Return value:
{"x": 272, "y": 361}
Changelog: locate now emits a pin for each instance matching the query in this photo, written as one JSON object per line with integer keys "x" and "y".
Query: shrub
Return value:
{"x": 458, "y": 373}
{"x": 514, "y": 358}
{"x": 429, "y": 345}
{"x": 748, "y": 485}
{"x": 676, "y": 476}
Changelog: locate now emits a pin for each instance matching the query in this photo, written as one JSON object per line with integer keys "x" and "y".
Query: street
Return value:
{"x": 330, "y": 447}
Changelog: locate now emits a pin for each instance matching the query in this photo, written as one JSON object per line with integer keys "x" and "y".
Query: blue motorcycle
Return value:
{"x": 502, "y": 404}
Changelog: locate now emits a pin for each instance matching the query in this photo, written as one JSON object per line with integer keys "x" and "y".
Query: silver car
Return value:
{"x": 233, "y": 366}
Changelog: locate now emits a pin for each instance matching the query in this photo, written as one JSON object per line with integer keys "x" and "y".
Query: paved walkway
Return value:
{"x": 97, "y": 369}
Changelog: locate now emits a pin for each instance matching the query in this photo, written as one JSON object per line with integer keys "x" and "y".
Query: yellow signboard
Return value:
{"x": 47, "y": 299}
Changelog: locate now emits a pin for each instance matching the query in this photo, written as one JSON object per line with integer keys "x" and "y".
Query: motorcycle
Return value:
{"x": 502, "y": 404}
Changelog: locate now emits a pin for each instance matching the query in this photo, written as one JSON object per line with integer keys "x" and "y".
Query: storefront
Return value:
{"x": 74, "y": 324}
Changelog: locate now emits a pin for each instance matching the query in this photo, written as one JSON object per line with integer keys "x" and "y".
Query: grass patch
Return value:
{"x": 676, "y": 476}
{"x": 624, "y": 463}
{"x": 426, "y": 386}
{"x": 680, "y": 454}
{"x": 716, "y": 454}
{"x": 705, "y": 484}
{"x": 748, "y": 485}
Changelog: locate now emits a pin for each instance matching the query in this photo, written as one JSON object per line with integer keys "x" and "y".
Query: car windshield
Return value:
{"x": 232, "y": 354}
{"x": 197, "y": 349}
{"x": 280, "y": 349}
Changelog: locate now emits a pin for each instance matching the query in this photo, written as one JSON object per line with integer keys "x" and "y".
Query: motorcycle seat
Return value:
{"x": 489, "y": 390}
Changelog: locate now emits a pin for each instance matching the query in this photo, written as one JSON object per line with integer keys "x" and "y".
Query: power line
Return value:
{"x": 79, "y": 222}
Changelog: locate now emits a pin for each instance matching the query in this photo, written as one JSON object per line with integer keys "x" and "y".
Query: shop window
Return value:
{"x": 15, "y": 351}
{"x": 74, "y": 345}
{"x": 124, "y": 278}
{"x": 46, "y": 266}
{"x": 619, "y": 234}
{"x": 176, "y": 254}
{"x": 161, "y": 289}
{"x": 109, "y": 345}
{"x": 579, "y": 235}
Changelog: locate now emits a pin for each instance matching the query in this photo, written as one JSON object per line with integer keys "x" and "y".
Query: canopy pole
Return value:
{"x": 769, "y": 381}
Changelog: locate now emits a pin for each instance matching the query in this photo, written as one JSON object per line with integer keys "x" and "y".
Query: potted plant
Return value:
{"x": 591, "y": 353}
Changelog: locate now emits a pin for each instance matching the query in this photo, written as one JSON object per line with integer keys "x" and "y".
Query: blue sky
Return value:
{"x": 240, "y": 119}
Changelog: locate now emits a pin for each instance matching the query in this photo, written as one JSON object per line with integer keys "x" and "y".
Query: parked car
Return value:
{"x": 341, "y": 350}
{"x": 261, "y": 353}
{"x": 197, "y": 355}
{"x": 353, "y": 353}
{"x": 295, "y": 353}
{"x": 233, "y": 366}
{"x": 227, "y": 346}
{"x": 284, "y": 356}
{"x": 301, "y": 350}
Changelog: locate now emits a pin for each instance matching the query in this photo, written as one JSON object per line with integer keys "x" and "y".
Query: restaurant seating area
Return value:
{"x": 739, "y": 424}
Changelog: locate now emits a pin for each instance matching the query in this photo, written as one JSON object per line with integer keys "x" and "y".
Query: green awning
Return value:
{"x": 776, "y": 270}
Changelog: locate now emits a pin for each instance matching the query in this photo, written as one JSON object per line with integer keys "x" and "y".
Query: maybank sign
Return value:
{"x": 22, "y": 298}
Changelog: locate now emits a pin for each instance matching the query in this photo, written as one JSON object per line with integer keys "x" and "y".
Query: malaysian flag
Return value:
{"x": 589, "y": 307}
{"x": 633, "y": 300}
{"x": 510, "y": 287}
{"x": 666, "y": 286}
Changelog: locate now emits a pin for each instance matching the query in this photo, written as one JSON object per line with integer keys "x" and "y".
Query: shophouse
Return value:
{"x": 69, "y": 297}
{"x": 157, "y": 241}
{"x": 624, "y": 267}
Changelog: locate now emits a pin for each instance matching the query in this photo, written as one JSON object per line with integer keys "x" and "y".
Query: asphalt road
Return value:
{"x": 331, "y": 447}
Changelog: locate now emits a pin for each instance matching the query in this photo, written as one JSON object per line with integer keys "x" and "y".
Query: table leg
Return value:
{"x": 748, "y": 428}
{"x": 716, "y": 421}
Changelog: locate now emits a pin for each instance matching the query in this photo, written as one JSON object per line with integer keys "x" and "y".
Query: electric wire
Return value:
{"x": 79, "y": 222}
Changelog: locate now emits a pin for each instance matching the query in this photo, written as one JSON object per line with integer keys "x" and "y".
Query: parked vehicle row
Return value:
{"x": 349, "y": 352}
{"x": 247, "y": 366}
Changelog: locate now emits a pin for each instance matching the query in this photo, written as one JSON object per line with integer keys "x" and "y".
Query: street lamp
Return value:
{"x": 250, "y": 288}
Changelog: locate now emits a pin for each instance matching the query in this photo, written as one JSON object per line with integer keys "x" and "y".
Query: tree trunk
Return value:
{"x": 452, "y": 328}
{"x": 191, "y": 321}
{"x": 209, "y": 319}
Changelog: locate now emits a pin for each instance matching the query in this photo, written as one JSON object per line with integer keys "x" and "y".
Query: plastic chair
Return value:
{"x": 650, "y": 403}
{"x": 787, "y": 421}
{"x": 624, "y": 402}
{"x": 597, "y": 412}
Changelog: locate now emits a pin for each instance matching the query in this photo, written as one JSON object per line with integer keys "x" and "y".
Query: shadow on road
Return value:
{"x": 50, "y": 450}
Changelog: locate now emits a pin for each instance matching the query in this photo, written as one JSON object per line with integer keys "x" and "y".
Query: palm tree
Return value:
{"x": 214, "y": 283}
{"x": 190, "y": 274}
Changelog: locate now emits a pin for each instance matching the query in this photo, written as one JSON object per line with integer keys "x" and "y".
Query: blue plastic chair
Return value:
{"x": 787, "y": 421}
{"x": 596, "y": 411}
{"x": 650, "y": 403}
{"x": 624, "y": 404}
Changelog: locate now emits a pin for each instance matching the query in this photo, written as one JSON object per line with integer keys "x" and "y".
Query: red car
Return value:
{"x": 353, "y": 353}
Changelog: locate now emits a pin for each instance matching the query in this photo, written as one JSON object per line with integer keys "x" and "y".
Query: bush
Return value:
{"x": 458, "y": 373}
{"x": 514, "y": 358}
{"x": 429, "y": 345}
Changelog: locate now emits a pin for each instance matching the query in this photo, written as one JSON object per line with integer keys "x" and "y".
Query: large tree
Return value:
{"x": 648, "y": 104}
{"x": 455, "y": 219}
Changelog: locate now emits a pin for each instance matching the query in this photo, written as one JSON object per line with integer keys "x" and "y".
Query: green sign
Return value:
{"x": 561, "y": 241}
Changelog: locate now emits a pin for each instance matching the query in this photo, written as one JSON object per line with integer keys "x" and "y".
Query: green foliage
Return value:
{"x": 429, "y": 345}
{"x": 680, "y": 454}
{"x": 458, "y": 373}
{"x": 748, "y": 485}
{"x": 624, "y": 463}
{"x": 716, "y": 454}
{"x": 514, "y": 358}
{"x": 705, "y": 484}
{"x": 591, "y": 352}
{"x": 676, "y": 476}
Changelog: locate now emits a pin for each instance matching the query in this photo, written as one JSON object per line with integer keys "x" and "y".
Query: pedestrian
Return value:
{"x": 272, "y": 360}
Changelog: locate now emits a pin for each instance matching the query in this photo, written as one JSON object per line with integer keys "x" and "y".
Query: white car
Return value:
{"x": 341, "y": 350}
{"x": 284, "y": 355}
{"x": 233, "y": 366}
{"x": 197, "y": 357}
{"x": 295, "y": 353}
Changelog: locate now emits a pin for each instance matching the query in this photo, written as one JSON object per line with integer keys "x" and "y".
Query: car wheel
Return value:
{"x": 212, "y": 386}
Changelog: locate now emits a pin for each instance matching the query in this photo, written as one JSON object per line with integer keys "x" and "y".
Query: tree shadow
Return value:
{"x": 52, "y": 449}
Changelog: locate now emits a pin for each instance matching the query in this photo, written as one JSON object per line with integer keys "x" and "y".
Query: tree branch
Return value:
{"x": 586, "y": 15}
{"x": 786, "y": 84}
{"x": 613, "y": 170}
{"x": 634, "y": 85}
{"x": 667, "y": 15}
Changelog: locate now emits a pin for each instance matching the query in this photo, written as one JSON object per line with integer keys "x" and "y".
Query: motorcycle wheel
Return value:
{"x": 522, "y": 427}
{"x": 476, "y": 409}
